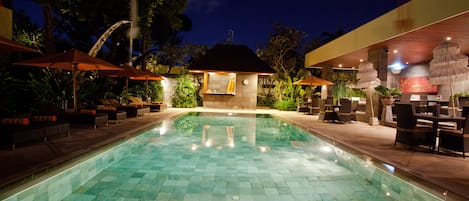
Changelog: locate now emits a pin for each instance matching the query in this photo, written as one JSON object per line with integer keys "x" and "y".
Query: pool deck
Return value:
{"x": 446, "y": 171}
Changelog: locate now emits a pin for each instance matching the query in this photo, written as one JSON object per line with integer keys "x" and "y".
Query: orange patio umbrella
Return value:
{"x": 132, "y": 73}
{"x": 313, "y": 81}
{"x": 149, "y": 76}
{"x": 72, "y": 60}
{"x": 11, "y": 46}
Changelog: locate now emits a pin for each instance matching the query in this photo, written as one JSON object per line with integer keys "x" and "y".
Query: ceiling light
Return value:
{"x": 340, "y": 65}
{"x": 395, "y": 51}
{"x": 448, "y": 38}
{"x": 361, "y": 60}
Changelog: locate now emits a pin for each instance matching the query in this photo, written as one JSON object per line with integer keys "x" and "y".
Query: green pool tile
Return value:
{"x": 271, "y": 191}
{"x": 193, "y": 188}
{"x": 79, "y": 197}
{"x": 219, "y": 190}
{"x": 137, "y": 175}
{"x": 220, "y": 197}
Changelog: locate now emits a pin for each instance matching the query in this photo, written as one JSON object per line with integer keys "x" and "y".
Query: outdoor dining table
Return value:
{"x": 440, "y": 118}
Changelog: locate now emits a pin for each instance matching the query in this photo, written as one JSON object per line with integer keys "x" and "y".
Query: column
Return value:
{"x": 379, "y": 58}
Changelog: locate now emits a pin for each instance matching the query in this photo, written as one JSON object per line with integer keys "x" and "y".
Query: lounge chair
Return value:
{"x": 31, "y": 128}
{"x": 456, "y": 139}
{"x": 132, "y": 110}
{"x": 85, "y": 117}
{"x": 114, "y": 115}
{"x": 327, "y": 113}
{"x": 158, "y": 106}
{"x": 408, "y": 131}
{"x": 142, "y": 107}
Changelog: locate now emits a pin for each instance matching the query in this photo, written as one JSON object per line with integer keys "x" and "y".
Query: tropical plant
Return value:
{"x": 357, "y": 93}
{"x": 342, "y": 80}
{"x": 137, "y": 89}
{"x": 49, "y": 86}
{"x": 386, "y": 92}
{"x": 184, "y": 92}
{"x": 461, "y": 94}
{"x": 8, "y": 85}
{"x": 285, "y": 94}
{"x": 155, "y": 90}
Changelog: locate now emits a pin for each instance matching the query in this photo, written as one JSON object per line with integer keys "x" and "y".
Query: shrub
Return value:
{"x": 184, "y": 93}
{"x": 285, "y": 105}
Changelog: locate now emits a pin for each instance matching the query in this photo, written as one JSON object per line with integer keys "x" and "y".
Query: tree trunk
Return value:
{"x": 48, "y": 28}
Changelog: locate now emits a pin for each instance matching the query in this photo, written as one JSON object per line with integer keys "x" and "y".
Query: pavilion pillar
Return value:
{"x": 327, "y": 74}
{"x": 379, "y": 58}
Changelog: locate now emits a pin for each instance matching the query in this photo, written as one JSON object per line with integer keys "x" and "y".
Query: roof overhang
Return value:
{"x": 238, "y": 72}
{"x": 412, "y": 29}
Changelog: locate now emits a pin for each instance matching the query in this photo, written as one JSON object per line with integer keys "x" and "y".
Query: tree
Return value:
{"x": 172, "y": 55}
{"x": 322, "y": 39}
{"x": 281, "y": 53}
{"x": 160, "y": 24}
{"x": 27, "y": 33}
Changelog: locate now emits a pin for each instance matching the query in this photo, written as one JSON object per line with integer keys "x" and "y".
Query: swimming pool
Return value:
{"x": 213, "y": 156}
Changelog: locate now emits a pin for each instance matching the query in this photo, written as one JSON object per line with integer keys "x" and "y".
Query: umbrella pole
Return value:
{"x": 146, "y": 89}
{"x": 74, "y": 86}
{"x": 126, "y": 89}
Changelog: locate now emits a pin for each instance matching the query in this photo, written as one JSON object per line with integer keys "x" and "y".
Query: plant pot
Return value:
{"x": 387, "y": 100}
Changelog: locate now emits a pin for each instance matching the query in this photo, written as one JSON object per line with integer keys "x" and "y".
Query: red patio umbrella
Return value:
{"x": 149, "y": 76}
{"x": 72, "y": 60}
{"x": 132, "y": 73}
{"x": 11, "y": 46}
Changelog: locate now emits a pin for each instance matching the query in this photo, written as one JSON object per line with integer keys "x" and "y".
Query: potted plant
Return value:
{"x": 387, "y": 94}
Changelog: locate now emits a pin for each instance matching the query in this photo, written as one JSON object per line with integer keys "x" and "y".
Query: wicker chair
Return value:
{"x": 456, "y": 139}
{"x": 345, "y": 111}
{"x": 326, "y": 113}
{"x": 408, "y": 131}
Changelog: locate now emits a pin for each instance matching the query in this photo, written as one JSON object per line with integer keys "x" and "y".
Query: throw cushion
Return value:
{"x": 15, "y": 121}
{"x": 103, "y": 101}
{"x": 88, "y": 111}
{"x": 109, "y": 108}
{"x": 113, "y": 102}
{"x": 44, "y": 118}
{"x": 135, "y": 100}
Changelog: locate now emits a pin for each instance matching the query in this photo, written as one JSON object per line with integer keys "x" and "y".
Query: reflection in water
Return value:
{"x": 222, "y": 131}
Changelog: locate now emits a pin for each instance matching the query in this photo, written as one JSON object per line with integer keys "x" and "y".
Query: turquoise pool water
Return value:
{"x": 217, "y": 157}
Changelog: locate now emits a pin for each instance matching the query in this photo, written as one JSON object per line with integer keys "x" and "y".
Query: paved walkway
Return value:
{"x": 448, "y": 172}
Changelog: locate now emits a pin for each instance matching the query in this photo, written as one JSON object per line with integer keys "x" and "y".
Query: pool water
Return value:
{"x": 217, "y": 157}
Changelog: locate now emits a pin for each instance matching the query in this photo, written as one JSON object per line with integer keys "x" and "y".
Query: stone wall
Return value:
{"x": 244, "y": 98}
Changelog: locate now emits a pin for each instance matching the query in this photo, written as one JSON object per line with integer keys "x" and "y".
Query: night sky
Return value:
{"x": 251, "y": 21}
